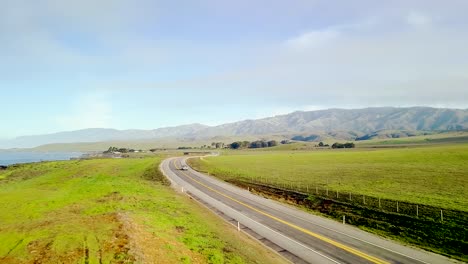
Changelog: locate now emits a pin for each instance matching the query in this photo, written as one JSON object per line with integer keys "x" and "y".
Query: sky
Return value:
{"x": 67, "y": 65}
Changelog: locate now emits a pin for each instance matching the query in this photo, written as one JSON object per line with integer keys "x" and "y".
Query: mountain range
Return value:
{"x": 349, "y": 124}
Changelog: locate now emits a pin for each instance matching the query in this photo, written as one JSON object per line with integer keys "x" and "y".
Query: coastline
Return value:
{"x": 10, "y": 158}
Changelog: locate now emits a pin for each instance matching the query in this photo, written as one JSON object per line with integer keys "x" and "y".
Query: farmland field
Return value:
{"x": 110, "y": 211}
{"x": 434, "y": 175}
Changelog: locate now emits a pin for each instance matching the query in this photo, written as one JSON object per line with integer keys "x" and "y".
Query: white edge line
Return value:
{"x": 243, "y": 231}
{"x": 274, "y": 231}
{"x": 310, "y": 222}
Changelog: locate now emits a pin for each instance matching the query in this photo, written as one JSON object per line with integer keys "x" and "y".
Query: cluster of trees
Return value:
{"x": 157, "y": 149}
{"x": 345, "y": 145}
{"x": 184, "y": 148}
{"x": 263, "y": 144}
{"x": 121, "y": 150}
{"x": 254, "y": 144}
{"x": 216, "y": 145}
{"x": 321, "y": 144}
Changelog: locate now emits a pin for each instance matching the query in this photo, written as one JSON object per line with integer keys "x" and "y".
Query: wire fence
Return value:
{"x": 421, "y": 211}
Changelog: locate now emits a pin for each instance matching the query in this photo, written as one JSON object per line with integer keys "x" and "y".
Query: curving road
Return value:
{"x": 297, "y": 235}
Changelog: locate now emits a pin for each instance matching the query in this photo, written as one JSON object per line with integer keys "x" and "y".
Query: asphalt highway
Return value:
{"x": 310, "y": 238}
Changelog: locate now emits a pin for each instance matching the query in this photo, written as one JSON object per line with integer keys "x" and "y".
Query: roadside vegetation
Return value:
{"x": 110, "y": 211}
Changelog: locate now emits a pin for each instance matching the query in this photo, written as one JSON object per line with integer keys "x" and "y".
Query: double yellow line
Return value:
{"x": 325, "y": 239}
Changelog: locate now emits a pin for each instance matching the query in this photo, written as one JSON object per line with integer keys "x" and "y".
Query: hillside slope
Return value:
{"x": 334, "y": 123}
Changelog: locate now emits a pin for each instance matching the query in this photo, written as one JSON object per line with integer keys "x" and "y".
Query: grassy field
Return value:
{"x": 110, "y": 211}
{"x": 435, "y": 175}
{"x": 438, "y": 138}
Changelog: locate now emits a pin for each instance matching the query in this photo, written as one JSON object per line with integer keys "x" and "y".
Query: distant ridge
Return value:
{"x": 338, "y": 123}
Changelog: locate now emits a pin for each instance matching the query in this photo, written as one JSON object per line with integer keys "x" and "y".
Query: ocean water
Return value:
{"x": 13, "y": 157}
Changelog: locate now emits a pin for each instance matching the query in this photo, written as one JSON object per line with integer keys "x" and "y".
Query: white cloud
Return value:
{"x": 417, "y": 19}
{"x": 312, "y": 39}
{"x": 80, "y": 36}
{"x": 367, "y": 55}
{"x": 330, "y": 34}
{"x": 92, "y": 110}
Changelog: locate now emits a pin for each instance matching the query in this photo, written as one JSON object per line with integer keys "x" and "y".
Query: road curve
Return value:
{"x": 310, "y": 238}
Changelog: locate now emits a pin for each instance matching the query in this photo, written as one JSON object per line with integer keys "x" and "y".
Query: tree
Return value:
{"x": 111, "y": 150}
{"x": 320, "y": 144}
{"x": 337, "y": 145}
{"x": 272, "y": 143}
{"x": 255, "y": 144}
{"x": 235, "y": 145}
{"x": 345, "y": 145}
{"x": 123, "y": 150}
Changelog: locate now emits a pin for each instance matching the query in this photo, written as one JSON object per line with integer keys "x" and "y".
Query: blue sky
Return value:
{"x": 69, "y": 65}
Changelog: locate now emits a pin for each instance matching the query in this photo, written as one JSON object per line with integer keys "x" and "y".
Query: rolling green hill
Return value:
{"x": 111, "y": 211}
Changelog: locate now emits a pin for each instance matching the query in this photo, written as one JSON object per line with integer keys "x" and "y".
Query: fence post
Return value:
{"x": 350, "y": 196}
{"x": 364, "y": 199}
{"x": 397, "y": 209}
{"x": 336, "y": 194}
{"x": 417, "y": 210}
{"x": 441, "y": 216}
{"x": 327, "y": 191}
{"x": 379, "y": 203}
{"x": 344, "y": 219}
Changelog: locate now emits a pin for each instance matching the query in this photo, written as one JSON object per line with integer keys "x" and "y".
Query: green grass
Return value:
{"x": 110, "y": 211}
{"x": 433, "y": 175}
{"x": 438, "y": 138}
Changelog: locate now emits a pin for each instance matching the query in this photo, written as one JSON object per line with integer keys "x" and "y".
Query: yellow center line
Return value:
{"x": 325, "y": 239}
